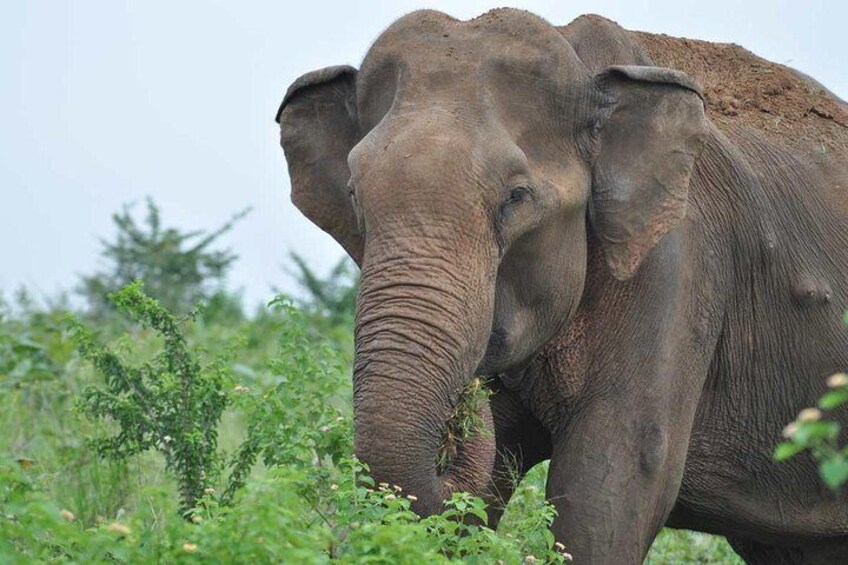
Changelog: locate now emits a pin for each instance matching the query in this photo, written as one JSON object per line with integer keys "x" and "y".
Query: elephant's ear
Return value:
{"x": 651, "y": 134}
{"x": 318, "y": 128}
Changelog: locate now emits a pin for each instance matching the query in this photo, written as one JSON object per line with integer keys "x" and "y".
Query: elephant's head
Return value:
{"x": 463, "y": 168}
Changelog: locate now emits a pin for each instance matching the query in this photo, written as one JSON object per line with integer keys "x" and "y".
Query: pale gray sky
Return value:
{"x": 104, "y": 102}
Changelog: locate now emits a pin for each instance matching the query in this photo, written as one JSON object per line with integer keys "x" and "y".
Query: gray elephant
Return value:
{"x": 653, "y": 291}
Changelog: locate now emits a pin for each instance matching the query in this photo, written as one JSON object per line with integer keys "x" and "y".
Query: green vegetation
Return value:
{"x": 464, "y": 421}
{"x": 178, "y": 268}
{"x": 171, "y": 404}
{"x": 810, "y": 432}
{"x": 331, "y": 300}
{"x": 243, "y": 424}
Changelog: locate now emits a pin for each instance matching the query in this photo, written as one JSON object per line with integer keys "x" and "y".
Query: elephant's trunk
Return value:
{"x": 419, "y": 338}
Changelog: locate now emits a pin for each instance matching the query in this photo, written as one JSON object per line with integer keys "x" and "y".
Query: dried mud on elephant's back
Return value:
{"x": 743, "y": 89}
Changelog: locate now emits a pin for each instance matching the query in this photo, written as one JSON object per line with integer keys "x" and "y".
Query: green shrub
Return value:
{"x": 172, "y": 404}
{"x": 810, "y": 433}
{"x": 310, "y": 502}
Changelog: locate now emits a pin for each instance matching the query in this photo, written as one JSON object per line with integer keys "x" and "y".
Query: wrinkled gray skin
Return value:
{"x": 529, "y": 203}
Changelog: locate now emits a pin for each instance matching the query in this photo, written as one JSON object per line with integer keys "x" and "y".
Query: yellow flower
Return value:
{"x": 809, "y": 415}
{"x": 334, "y": 487}
{"x": 567, "y": 556}
{"x": 118, "y": 528}
{"x": 67, "y": 515}
{"x": 837, "y": 380}
{"x": 189, "y": 547}
{"x": 412, "y": 497}
{"x": 209, "y": 490}
{"x": 241, "y": 389}
{"x": 196, "y": 518}
{"x": 530, "y": 559}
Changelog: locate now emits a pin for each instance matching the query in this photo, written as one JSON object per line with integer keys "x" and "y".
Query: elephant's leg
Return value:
{"x": 521, "y": 442}
{"x": 755, "y": 553}
{"x": 614, "y": 476}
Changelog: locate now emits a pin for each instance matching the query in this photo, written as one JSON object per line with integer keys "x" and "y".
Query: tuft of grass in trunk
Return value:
{"x": 464, "y": 421}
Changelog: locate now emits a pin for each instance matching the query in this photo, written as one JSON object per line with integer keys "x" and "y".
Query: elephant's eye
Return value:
{"x": 516, "y": 196}
{"x": 509, "y": 209}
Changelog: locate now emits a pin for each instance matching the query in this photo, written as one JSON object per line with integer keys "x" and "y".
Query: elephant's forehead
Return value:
{"x": 503, "y": 27}
{"x": 431, "y": 53}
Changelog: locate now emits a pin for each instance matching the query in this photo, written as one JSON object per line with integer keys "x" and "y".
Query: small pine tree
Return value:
{"x": 178, "y": 268}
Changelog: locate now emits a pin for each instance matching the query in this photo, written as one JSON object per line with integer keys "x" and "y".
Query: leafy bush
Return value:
{"x": 673, "y": 547}
{"x": 271, "y": 522}
{"x": 309, "y": 503}
{"x": 31, "y": 345}
{"x": 810, "y": 433}
{"x": 171, "y": 404}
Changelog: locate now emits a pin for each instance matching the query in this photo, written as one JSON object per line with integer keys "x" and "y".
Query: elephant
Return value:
{"x": 652, "y": 290}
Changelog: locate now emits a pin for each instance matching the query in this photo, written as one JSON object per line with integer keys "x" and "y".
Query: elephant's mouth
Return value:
{"x": 469, "y": 422}
{"x": 497, "y": 353}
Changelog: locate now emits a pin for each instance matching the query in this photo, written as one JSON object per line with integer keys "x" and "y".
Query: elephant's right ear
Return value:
{"x": 649, "y": 142}
{"x": 318, "y": 128}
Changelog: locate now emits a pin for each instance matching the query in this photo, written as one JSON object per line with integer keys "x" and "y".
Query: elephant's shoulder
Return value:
{"x": 742, "y": 89}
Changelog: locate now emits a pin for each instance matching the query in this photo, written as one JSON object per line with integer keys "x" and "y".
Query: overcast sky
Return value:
{"x": 104, "y": 102}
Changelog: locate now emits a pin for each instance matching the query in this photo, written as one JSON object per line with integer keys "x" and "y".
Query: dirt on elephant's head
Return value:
{"x": 741, "y": 88}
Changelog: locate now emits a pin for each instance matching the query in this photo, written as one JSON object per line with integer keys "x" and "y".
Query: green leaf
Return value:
{"x": 786, "y": 450}
{"x": 834, "y": 471}
{"x": 811, "y": 432}
{"x": 479, "y": 510}
{"x": 833, "y": 399}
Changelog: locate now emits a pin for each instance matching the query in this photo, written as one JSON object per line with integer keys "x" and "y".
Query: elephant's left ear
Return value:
{"x": 318, "y": 128}
{"x": 651, "y": 134}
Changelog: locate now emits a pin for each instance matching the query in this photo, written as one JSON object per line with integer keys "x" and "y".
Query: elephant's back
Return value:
{"x": 742, "y": 89}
